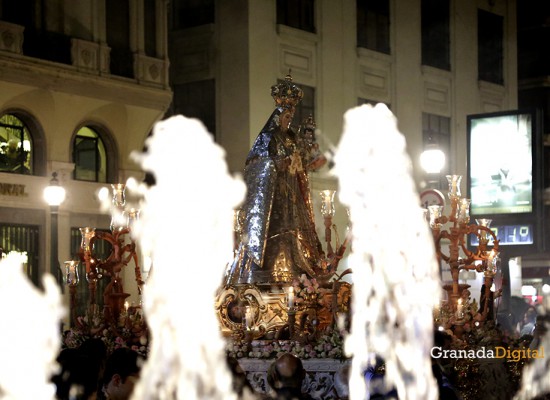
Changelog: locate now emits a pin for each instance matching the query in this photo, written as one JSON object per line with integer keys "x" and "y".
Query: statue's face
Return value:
{"x": 308, "y": 135}
{"x": 286, "y": 119}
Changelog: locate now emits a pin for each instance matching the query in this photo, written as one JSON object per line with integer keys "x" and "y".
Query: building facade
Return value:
{"x": 418, "y": 57}
{"x": 82, "y": 84}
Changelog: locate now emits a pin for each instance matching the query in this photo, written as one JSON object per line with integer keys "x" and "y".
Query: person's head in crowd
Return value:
{"x": 530, "y": 315}
{"x": 240, "y": 383}
{"x": 77, "y": 377}
{"x": 442, "y": 339}
{"x": 285, "y": 376}
{"x": 121, "y": 373}
{"x": 529, "y": 320}
{"x": 96, "y": 352}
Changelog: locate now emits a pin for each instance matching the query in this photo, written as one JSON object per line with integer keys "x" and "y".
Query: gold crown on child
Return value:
{"x": 286, "y": 94}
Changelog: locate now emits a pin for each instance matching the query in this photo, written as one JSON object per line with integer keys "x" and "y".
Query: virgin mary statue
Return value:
{"x": 278, "y": 238}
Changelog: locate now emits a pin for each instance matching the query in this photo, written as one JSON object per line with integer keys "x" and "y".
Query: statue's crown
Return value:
{"x": 286, "y": 94}
{"x": 308, "y": 123}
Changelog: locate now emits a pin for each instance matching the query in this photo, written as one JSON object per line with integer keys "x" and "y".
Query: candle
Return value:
{"x": 132, "y": 216}
{"x": 290, "y": 297}
{"x": 328, "y": 203}
{"x": 126, "y": 305}
{"x": 459, "y": 309}
{"x": 119, "y": 198}
{"x": 492, "y": 262}
{"x": 490, "y": 258}
{"x": 486, "y": 223}
{"x": 72, "y": 272}
{"x": 87, "y": 235}
{"x": 454, "y": 185}
{"x": 327, "y": 208}
{"x": 464, "y": 213}
{"x": 248, "y": 317}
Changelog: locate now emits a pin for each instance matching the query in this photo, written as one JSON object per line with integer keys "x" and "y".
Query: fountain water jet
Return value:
{"x": 29, "y": 339}
{"x": 187, "y": 229}
{"x": 395, "y": 276}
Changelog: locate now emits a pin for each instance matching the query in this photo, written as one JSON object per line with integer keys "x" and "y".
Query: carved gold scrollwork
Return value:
{"x": 266, "y": 310}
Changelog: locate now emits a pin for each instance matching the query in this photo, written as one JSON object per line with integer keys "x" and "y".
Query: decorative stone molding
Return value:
{"x": 64, "y": 170}
{"x": 151, "y": 70}
{"x": 104, "y": 59}
{"x": 437, "y": 90}
{"x": 374, "y": 76}
{"x": 11, "y": 37}
{"x": 300, "y": 61}
{"x": 192, "y": 54}
{"x": 298, "y": 53}
{"x": 90, "y": 56}
{"x": 492, "y": 97}
{"x": 374, "y": 83}
{"x": 288, "y": 33}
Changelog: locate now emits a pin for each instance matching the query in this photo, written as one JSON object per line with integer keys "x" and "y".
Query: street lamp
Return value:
{"x": 432, "y": 161}
{"x": 54, "y": 194}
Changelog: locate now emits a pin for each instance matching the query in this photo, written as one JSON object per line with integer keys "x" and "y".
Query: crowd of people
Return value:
{"x": 90, "y": 373}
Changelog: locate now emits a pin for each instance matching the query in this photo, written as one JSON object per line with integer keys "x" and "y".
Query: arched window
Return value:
{"x": 89, "y": 156}
{"x": 15, "y": 146}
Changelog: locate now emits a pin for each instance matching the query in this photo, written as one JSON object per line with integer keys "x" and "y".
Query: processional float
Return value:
{"x": 281, "y": 284}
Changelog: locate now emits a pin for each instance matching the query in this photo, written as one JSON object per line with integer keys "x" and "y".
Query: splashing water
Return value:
{"x": 29, "y": 339}
{"x": 187, "y": 228}
{"x": 396, "y": 284}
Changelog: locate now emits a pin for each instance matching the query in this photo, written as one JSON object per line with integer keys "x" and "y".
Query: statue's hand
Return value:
{"x": 317, "y": 163}
{"x": 295, "y": 163}
{"x": 283, "y": 163}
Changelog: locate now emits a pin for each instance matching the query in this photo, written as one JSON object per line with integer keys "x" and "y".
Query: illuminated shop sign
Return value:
{"x": 510, "y": 235}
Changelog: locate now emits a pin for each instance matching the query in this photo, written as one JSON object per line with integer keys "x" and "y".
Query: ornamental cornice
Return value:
{"x": 67, "y": 79}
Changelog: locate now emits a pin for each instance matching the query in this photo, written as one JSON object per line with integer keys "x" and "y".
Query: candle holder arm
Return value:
{"x": 344, "y": 273}
{"x": 334, "y": 260}
{"x": 470, "y": 255}
{"x": 468, "y": 265}
{"x": 442, "y": 235}
{"x": 130, "y": 248}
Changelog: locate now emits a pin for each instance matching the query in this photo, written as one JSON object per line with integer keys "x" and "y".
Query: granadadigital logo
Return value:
{"x": 496, "y": 352}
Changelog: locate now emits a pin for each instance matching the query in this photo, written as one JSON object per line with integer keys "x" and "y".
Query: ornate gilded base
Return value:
{"x": 252, "y": 312}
